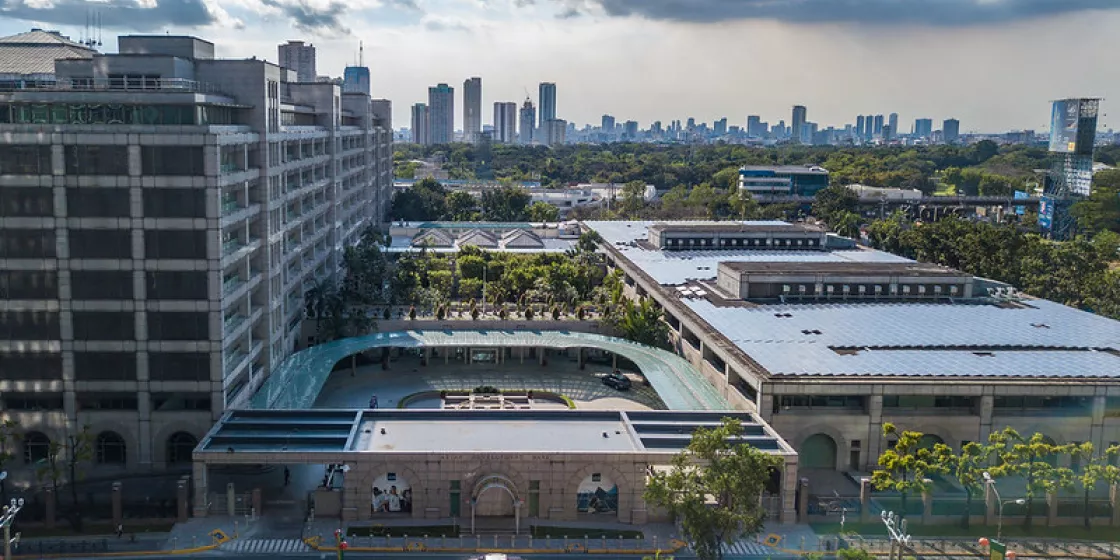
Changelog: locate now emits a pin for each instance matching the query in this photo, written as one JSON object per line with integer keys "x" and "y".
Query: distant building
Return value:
{"x": 799, "y": 119}
{"x": 298, "y": 56}
{"x": 719, "y": 128}
{"x": 951, "y": 131}
{"x": 528, "y": 124}
{"x": 878, "y": 125}
{"x": 923, "y": 128}
{"x": 441, "y": 114}
{"x": 554, "y": 131}
{"x": 355, "y": 79}
{"x": 420, "y": 124}
{"x": 868, "y": 127}
{"x": 27, "y": 59}
{"x": 754, "y": 126}
{"x": 608, "y": 123}
{"x": 893, "y": 121}
{"x": 859, "y": 126}
{"x": 888, "y": 133}
{"x": 472, "y": 109}
{"x": 505, "y": 122}
{"x": 630, "y": 129}
{"x": 547, "y": 100}
{"x": 783, "y": 180}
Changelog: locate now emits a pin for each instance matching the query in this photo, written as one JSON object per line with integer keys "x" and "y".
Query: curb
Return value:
{"x": 313, "y": 542}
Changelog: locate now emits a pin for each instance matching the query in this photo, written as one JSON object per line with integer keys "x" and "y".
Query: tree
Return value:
{"x": 743, "y": 205}
{"x": 713, "y": 488}
{"x": 505, "y": 204}
{"x": 967, "y": 467}
{"x": 1095, "y": 469}
{"x": 9, "y": 436}
{"x": 1034, "y": 459}
{"x": 424, "y": 200}
{"x": 64, "y": 459}
{"x": 460, "y": 207}
{"x": 829, "y": 202}
{"x": 905, "y": 468}
{"x": 543, "y": 212}
{"x": 633, "y": 199}
{"x": 642, "y": 323}
{"x": 846, "y": 224}
{"x": 1101, "y": 210}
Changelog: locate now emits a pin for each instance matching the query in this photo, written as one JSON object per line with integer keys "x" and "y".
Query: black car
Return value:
{"x": 616, "y": 381}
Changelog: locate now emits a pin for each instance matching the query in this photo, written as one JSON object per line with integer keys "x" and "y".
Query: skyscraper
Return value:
{"x": 799, "y": 119}
{"x": 630, "y": 129}
{"x": 719, "y": 128}
{"x": 951, "y": 130}
{"x": 608, "y": 124}
{"x": 878, "y": 125}
{"x": 923, "y": 128}
{"x": 859, "y": 126}
{"x": 528, "y": 122}
{"x": 893, "y": 121}
{"x": 420, "y": 124}
{"x": 472, "y": 109}
{"x": 868, "y": 126}
{"x": 297, "y": 56}
{"x": 505, "y": 121}
{"x": 355, "y": 79}
{"x": 555, "y": 131}
{"x": 547, "y": 101}
{"x": 754, "y": 123}
{"x": 441, "y": 114}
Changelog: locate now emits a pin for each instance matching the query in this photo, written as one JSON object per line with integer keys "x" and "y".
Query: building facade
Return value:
{"x": 800, "y": 117}
{"x": 441, "y": 114}
{"x": 505, "y": 122}
{"x": 555, "y": 131}
{"x": 472, "y": 109}
{"x": 355, "y": 79}
{"x": 528, "y": 124}
{"x": 420, "y": 124}
{"x": 299, "y": 56}
{"x": 923, "y": 128}
{"x": 547, "y": 101}
{"x": 783, "y": 180}
{"x": 951, "y": 131}
{"x": 163, "y": 214}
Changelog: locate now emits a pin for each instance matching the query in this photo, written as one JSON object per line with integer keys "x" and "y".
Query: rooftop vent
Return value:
{"x": 783, "y": 315}
{"x": 1040, "y": 325}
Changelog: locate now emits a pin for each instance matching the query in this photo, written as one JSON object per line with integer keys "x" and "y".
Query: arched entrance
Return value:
{"x": 818, "y": 452}
{"x": 496, "y": 496}
{"x": 928, "y": 441}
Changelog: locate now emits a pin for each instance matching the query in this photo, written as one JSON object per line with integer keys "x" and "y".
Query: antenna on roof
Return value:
{"x": 361, "y": 53}
{"x": 99, "y": 28}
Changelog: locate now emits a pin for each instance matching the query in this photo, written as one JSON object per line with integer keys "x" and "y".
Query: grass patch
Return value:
{"x": 544, "y": 532}
{"x": 411, "y": 531}
{"x": 1013, "y": 529}
{"x": 98, "y": 530}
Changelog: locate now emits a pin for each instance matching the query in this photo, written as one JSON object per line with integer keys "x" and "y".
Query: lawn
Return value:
{"x": 1011, "y": 529}
{"x": 411, "y": 531}
{"x": 542, "y": 532}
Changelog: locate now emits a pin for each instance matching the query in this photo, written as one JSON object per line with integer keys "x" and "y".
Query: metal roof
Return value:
{"x": 34, "y": 52}
{"x": 297, "y": 381}
{"x": 481, "y": 431}
{"x": 1035, "y": 338}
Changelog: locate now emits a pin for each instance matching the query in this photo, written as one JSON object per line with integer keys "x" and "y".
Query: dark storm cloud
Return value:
{"x": 921, "y": 12}
{"x": 313, "y": 18}
{"x": 114, "y": 14}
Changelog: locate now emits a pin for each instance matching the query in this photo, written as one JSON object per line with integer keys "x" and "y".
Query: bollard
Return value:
{"x": 604, "y": 542}
{"x": 530, "y": 540}
{"x": 235, "y": 529}
{"x": 495, "y": 541}
{"x": 194, "y": 542}
{"x": 802, "y": 543}
{"x": 174, "y": 543}
{"x": 655, "y": 543}
{"x": 477, "y": 541}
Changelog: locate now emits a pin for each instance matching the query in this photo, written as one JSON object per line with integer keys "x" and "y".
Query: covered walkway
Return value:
{"x": 297, "y": 382}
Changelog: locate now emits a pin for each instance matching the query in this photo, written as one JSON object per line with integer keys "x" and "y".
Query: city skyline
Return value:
{"x": 602, "y": 59}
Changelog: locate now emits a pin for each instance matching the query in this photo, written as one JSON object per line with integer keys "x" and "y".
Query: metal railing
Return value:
{"x": 173, "y": 85}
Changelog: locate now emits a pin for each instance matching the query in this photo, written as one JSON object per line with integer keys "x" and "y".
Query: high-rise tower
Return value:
{"x": 472, "y": 109}
{"x": 441, "y": 114}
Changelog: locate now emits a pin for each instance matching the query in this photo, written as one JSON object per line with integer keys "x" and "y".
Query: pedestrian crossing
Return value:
{"x": 747, "y": 548}
{"x": 264, "y": 546}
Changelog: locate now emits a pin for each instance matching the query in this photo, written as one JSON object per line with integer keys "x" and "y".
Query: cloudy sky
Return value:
{"x": 994, "y": 64}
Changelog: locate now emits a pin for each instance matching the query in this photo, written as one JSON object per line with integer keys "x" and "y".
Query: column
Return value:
{"x": 200, "y": 489}
{"x": 517, "y": 517}
{"x": 614, "y": 361}
{"x": 1096, "y": 431}
{"x": 540, "y": 352}
{"x": 257, "y": 501}
{"x": 118, "y": 516}
{"x": 874, "y": 428}
{"x": 579, "y": 357}
{"x": 182, "y": 499}
{"x": 927, "y": 504}
{"x": 1114, "y": 498}
{"x": 803, "y": 500}
{"x": 1051, "y": 508}
{"x": 865, "y": 500}
{"x": 231, "y": 500}
{"x": 789, "y": 494}
{"x": 990, "y": 504}
{"x": 986, "y": 405}
{"x": 51, "y": 500}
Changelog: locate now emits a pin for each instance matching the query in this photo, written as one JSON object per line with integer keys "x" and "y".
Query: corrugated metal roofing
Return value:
{"x": 34, "y": 52}
{"x": 1039, "y": 339}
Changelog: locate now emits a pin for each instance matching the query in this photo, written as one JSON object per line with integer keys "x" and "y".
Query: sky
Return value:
{"x": 993, "y": 64}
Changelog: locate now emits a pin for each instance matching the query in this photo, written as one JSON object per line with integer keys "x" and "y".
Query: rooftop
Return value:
{"x": 472, "y": 431}
{"x": 732, "y": 227}
{"x": 808, "y": 169}
{"x": 843, "y": 268}
{"x": 35, "y": 51}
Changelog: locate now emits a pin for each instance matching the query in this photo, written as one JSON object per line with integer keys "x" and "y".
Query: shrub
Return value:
{"x": 440, "y": 313}
{"x": 387, "y": 314}
{"x": 529, "y": 314}
{"x": 581, "y": 313}
{"x": 486, "y": 390}
{"x": 474, "y": 313}
{"x": 503, "y": 314}
{"x": 412, "y": 312}
{"x": 555, "y": 313}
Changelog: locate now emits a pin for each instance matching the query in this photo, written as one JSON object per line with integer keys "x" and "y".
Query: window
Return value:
{"x": 101, "y": 284}
{"x": 100, "y": 244}
{"x": 93, "y": 202}
{"x": 27, "y": 366}
{"x": 96, "y": 160}
{"x": 97, "y": 113}
{"x": 180, "y": 447}
{"x": 175, "y": 244}
{"x": 26, "y": 202}
{"x": 105, "y": 366}
{"x": 110, "y": 449}
{"x": 178, "y": 366}
{"x": 29, "y": 325}
{"x": 36, "y": 447}
{"x": 174, "y": 203}
{"x": 33, "y": 401}
{"x": 27, "y": 243}
{"x": 107, "y": 401}
{"x": 178, "y": 325}
{"x": 171, "y": 160}
{"x": 833, "y": 402}
{"x": 26, "y": 160}
{"x": 179, "y": 285}
{"x": 170, "y": 402}
{"x": 104, "y": 325}
{"x": 28, "y": 284}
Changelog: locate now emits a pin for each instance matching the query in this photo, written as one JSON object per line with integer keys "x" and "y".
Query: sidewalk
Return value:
{"x": 127, "y": 543}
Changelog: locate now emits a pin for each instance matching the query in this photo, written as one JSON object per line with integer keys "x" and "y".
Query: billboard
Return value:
{"x": 1046, "y": 212}
{"x": 1073, "y": 126}
{"x": 1019, "y": 195}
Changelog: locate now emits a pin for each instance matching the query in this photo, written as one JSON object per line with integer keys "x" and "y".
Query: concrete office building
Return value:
{"x": 892, "y": 121}
{"x": 420, "y": 124}
{"x": 28, "y": 58}
{"x": 782, "y": 180}
{"x": 355, "y": 79}
{"x": 299, "y": 56}
{"x": 547, "y": 101}
{"x": 528, "y": 124}
{"x": 555, "y": 131}
{"x": 799, "y": 120}
{"x": 878, "y": 125}
{"x": 505, "y": 122}
{"x": 441, "y": 114}
{"x": 923, "y": 128}
{"x": 951, "y": 131}
{"x": 162, "y": 214}
{"x": 472, "y": 109}
{"x": 769, "y": 311}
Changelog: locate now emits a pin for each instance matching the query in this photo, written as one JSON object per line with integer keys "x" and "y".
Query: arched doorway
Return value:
{"x": 818, "y": 451}
{"x": 496, "y": 496}
{"x": 110, "y": 449}
{"x": 36, "y": 447}
{"x": 927, "y": 441}
{"x": 180, "y": 448}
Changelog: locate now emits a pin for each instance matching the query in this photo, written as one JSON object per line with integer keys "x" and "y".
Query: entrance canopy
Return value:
{"x": 296, "y": 383}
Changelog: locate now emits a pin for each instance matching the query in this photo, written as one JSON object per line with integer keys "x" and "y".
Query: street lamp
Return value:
{"x": 6, "y": 519}
{"x": 896, "y": 530}
{"x": 999, "y": 521}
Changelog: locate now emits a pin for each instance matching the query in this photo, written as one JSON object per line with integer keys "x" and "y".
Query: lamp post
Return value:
{"x": 999, "y": 516}
{"x": 9, "y": 515}
{"x": 896, "y": 530}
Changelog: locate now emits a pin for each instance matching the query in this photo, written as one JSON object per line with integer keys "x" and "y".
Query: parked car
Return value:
{"x": 616, "y": 381}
